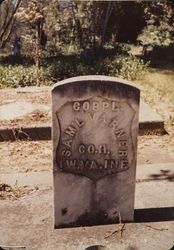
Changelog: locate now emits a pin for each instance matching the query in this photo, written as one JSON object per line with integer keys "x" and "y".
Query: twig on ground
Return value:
{"x": 120, "y": 230}
{"x": 157, "y": 229}
{"x": 114, "y": 232}
{"x": 4, "y": 247}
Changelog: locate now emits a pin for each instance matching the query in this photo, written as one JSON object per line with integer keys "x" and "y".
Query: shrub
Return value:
{"x": 128, "y": 67}
{"x": 15, "y": 76}
{"x": 124, "y": 66}
{"x": 60, "y": 67}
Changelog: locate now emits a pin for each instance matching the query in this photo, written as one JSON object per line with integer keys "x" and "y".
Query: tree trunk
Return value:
{"x": 77, "y": 23}
{"x": 108, "y": 14}
{"x": 37, "y": 56}
{"x": 93, "y": 25}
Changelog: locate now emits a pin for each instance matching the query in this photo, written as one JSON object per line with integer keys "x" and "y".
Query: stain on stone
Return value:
{"x": 89, "y": 219}
{"x": 64, "y": 211}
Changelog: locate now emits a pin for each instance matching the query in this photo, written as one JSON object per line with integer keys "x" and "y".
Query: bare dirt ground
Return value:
{"x": 24, "y": 156}
{"x": 16, "y": 156}
{"x": 37, "y": 117}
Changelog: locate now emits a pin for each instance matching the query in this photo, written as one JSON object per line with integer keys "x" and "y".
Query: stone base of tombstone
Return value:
{"x": 95, "y": 129}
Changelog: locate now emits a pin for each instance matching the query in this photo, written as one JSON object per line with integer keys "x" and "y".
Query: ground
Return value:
{"x": 157, "y": 89}
{"x": 36, "y": 117}
{"x": 26, "y": 207}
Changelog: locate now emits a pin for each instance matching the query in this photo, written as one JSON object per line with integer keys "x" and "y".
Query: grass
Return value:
{"x": 157, "y": 89}
{"x": 12, "y": 192}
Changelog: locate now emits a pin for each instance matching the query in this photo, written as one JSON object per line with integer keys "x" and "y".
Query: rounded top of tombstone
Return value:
{"x": 100, "y": 78}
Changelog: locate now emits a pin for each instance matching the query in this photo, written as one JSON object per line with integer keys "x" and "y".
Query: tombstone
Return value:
{"x": 94, "y": 132}
{"x": 17, "y": 46}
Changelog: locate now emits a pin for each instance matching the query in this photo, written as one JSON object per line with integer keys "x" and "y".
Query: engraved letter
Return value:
{"x": 76, "y": 106}
{"x": 123, "y": 143}
{"x": 108, "y": 164}
{"x": 120, "y": 133}
{"x": 84, "y": 164}
{"x": 86, "y": 106}
{"x": 91, "y": 149}
{"x": 79, "y": 123}
{"x": 66, "y": 152}
{"x": 102, "y": 149}
{"x": 67, "y": 143}
{"x": 70, "y": 131}
{"x": 95, "y": 106}
{"x": 93, "y": 165}
{"x": 71, "y": 163}
{"x": 124, "y": 164}
{"x": 113, "y": 124}
{"x": 115, "y": 107}
{"x": 122, "y": 153}
{"x": 105, "y": 105}
{"x": 113, "y": 164}
{"x": 81, "y": 149}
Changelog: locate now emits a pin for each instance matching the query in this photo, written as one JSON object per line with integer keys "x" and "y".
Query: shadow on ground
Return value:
{"x": 154, "y": 214}
{"x": 166, "y": 175}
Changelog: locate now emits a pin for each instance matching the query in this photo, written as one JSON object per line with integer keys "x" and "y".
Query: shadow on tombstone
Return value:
{"x": 95, "y": 129}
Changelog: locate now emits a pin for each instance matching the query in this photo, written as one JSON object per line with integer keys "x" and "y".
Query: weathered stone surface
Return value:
{"x": 95, "y": 128}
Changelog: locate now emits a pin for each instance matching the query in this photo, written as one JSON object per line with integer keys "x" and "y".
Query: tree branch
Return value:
{"x": 8, "y": 24}
{"x": 5, "y": 19}
{"x": 1, "y": 1}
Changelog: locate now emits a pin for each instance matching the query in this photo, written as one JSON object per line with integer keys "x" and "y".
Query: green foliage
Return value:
{"x": 128, "y": 67}
{"x": 124, "y": 66}
{"x": 155, "y": 36}
{"x": 159, "y": 29}
{"x": 113, "y": 61}
{"x": 15, "y": 76}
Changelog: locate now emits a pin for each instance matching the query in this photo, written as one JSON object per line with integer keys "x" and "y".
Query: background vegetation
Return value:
{"x": 42, "y": 42}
